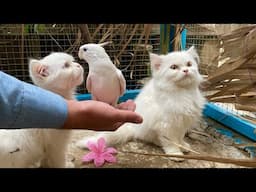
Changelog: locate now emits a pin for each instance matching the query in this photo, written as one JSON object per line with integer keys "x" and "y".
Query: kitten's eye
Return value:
{"x": 66, "y": 65}
{"x": 189, "y": 64}
{"x": 174, "y": 66}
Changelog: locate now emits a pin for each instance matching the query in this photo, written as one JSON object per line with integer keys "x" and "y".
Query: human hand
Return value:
{"x": 99, "y": 116}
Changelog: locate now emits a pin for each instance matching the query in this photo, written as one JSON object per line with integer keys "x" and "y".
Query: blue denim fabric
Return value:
{"x": 23, "y": 105}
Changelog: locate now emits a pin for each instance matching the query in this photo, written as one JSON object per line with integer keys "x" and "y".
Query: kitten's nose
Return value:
{"x": 185, "y": 70}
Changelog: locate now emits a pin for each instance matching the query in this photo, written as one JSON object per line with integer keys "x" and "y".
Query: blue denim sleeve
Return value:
{"x": 24, "y": 105}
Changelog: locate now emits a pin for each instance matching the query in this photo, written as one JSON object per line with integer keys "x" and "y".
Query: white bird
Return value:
{"x": 105, "y": 81}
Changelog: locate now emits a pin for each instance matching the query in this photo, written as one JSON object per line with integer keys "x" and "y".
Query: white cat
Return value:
{"x": 170, "y": 103}
{"x": 23, "y": 148}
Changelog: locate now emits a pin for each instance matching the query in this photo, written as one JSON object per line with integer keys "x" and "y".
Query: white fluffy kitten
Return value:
{"x": 23, "y": 148}
{"x": 170, "y": 103}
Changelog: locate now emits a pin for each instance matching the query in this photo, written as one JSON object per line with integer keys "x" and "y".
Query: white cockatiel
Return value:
{"x": 105, "y": 81}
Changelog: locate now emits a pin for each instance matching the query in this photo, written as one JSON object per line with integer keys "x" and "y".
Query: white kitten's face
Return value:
{"x": 179, "y": 68}
{"x": 57, "y": 72}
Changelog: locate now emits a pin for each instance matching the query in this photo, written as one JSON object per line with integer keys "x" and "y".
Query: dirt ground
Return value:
{"x": 214, "y": 144}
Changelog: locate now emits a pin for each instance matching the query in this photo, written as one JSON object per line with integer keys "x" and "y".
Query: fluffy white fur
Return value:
{"x": 170, "y": 103}
{"x": 24, "y": 148}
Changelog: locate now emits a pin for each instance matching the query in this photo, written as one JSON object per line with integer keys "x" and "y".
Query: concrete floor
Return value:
{"x": 216, "y": 145}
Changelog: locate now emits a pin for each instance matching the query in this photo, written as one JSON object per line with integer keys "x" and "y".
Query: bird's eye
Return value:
{"x": 174, "y": 66}
{"x": 66, "y": 65}
{"x": 189, "y": 64}
{"x": 85, "y": 49}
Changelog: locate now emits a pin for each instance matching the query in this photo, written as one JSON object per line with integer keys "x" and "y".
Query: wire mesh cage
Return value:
{"x": 128, "y": 50}
{"x": 205, "y": 40}
{"x": 208, "y": 39}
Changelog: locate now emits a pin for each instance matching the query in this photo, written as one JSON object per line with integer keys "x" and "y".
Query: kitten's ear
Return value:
{"x": 105, "y": 43}
{"x": 155, "y": 61}
{"x": 38, "y": 69}
{"x": 192, "y": 51}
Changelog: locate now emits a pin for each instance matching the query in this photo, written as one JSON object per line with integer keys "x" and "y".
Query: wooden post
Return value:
{"x": 165, "y": 38}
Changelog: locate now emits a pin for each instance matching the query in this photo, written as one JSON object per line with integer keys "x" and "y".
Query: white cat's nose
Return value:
{"x": 185, "y": 70}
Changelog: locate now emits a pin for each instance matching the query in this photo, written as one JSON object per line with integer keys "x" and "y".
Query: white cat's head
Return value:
{"x": 57, "y": 72}
{"x": 179, "y": 68}
{"x": 91, "y": 51}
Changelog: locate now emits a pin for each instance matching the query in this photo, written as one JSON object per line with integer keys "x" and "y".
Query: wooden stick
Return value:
{"x": 240, "y": 162}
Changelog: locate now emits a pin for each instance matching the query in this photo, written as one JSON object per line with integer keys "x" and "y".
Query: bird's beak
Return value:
{"x": 104, "y": 44}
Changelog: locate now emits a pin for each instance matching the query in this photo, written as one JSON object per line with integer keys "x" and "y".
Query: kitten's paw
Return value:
{"x": 83, "y": 142}
{"x": 176, "y": 159}
{"x": 173, "y": 151}
{"x": 70, "y": 161}
{"x": 185, "y": 147}
{"x": 70, "y": 165}
{"x": 35, "y": 165}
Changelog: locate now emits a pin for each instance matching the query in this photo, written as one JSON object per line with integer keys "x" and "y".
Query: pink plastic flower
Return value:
{"x": 100, "y": 153}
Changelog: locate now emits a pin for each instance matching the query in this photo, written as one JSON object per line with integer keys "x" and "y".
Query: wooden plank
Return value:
{"x": 242, "y": 126}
